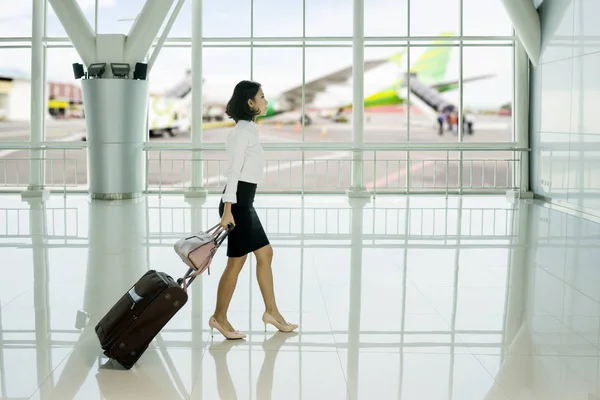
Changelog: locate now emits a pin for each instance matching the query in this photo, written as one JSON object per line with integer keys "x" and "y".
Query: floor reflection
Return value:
{"x": 397, "y": 297}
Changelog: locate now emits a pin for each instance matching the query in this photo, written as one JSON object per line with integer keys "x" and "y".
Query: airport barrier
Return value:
{"x": 328, "y": 169}
{"x": 290, "y": 167}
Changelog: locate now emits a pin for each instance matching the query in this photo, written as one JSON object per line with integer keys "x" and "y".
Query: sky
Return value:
{"x": 281, "y": 68}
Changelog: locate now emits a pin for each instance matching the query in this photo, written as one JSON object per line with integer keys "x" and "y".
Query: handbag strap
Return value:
{"x": 214, "y": 234}
{"x": 219, "y": 236}
{"x": 223, "y": 235}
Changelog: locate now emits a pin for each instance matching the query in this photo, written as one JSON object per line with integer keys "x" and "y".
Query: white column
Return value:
{"x": 38, "y": 231}
{"x": 357, "y": 188}
{"x": 526, "y": 21}
{"x": 197, "y": 189}
{"x": 76, "y": 25}
{"x": 354, "y": 316}
{"x": 144, "y": 29}
{"x": 521, "y": 110}
{"x": 38, "y": 103}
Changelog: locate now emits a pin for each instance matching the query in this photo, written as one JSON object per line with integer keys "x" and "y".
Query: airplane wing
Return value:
{"x": 294, "y": 96}
{"x": 451, "y": 85}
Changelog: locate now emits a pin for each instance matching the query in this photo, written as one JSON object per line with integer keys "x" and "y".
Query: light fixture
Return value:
{"x": 96, "y": 70}
{"x": 120, "y": 70}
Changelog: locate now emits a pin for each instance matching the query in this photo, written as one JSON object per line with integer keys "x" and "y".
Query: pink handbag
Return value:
{"x": 197, "y": 251}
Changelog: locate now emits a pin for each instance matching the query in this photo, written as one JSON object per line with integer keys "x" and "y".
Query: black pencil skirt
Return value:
{"x": 248, "y": 234}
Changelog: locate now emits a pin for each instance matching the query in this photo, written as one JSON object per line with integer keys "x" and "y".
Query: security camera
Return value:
{"x": 78, "y": 70}
{"x": 141, "y": 69}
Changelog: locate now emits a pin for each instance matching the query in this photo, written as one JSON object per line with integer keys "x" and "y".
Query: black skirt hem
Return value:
{"x": 248, "y": 234}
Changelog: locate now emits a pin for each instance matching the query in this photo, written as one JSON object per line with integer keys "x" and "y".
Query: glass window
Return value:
{"x": 385, "y": 108}
{"x": 118, "y": 16}
{"x": 386, "y": 17}
{"x": 488, "y": 93}
{"x": 226, "y": 18}
{"x": 15, "y": 19}
{"x": 434, "y": 17}
{"x": 279, "y": 70}
{"x": 64, "y": 95}
{"x": 223, "y": 68}
{"x": 485, "y": 18}
{"x": 434, "y": 96}
{"x": 328, "y": 94}
{"x": 329, "y": 18}
{"x": 15, "y": 94}
{"x": 277, "y": 18}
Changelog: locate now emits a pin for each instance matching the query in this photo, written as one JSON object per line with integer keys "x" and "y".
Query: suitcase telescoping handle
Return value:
{"x": 191, "y": 274}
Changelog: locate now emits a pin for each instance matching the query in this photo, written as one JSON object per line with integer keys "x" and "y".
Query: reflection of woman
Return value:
{"x": 225, "y": 385}
{"x": 264, "y": 386}
{"x": 245, "y": 157}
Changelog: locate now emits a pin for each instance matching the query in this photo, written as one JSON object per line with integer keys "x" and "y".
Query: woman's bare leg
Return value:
{"x": 264, "y": 275}
{"x": 227, "y": 286}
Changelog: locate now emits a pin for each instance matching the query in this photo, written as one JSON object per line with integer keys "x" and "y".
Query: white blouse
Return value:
{"x": 245, "y": 158}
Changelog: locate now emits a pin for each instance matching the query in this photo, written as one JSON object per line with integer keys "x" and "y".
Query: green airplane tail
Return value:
{"x": 432, "y": 65}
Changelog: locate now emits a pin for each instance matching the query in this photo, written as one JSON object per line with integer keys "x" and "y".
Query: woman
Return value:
{"x": 245, "y": 158}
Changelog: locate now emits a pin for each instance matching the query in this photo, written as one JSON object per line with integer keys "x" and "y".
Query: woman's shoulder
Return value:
{"x": 245, "y": 129}
{"x": 241, "y": 132}
{"x": 247, "y": 126}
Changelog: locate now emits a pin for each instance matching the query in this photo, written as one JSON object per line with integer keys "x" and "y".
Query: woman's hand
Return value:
{"x": 227, "y": 217}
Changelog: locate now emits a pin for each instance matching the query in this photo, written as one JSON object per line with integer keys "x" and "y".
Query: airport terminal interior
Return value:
{"x": 430, "y": 191}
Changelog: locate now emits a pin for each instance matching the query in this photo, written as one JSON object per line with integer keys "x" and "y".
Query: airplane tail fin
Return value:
{"x": 432, "y": 65}
{"x": 398, "y": 58}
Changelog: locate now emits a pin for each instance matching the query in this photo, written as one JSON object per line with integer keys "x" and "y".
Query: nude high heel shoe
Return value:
{"x": 212, "y": 322}
{"x": 268, "y": 319}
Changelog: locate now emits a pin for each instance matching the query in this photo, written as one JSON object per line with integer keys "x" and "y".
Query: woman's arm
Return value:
{"x": 236, "y": 152}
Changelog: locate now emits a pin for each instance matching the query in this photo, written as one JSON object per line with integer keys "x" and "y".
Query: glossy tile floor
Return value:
{"x": 400, "y": 298}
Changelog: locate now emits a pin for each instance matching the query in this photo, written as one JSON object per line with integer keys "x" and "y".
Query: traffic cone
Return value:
{"x": 297, "y": 127}
{"x": 323, "y": 131}
{"x": 278, "y": 125}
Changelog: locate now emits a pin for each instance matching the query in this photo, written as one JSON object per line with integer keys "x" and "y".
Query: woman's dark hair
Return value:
{"x": 238, "y": 108}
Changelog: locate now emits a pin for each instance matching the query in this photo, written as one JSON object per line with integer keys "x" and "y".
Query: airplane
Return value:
{"x": 426, "y": 84}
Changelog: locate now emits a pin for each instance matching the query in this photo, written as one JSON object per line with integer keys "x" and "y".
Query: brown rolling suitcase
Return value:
{"x": 126, "y": 331}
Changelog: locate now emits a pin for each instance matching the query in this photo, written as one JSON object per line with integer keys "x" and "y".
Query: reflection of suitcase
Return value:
{"x": 132, "y": 323}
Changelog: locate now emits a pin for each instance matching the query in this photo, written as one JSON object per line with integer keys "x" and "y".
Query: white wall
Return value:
{"x": 19, "y": 101}
{"x": 565, "y": 95}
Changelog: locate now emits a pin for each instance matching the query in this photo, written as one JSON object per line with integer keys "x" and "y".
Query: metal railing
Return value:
{"x": 395, "y": 168}
{"x": 430, "y": 227}
{"x": 62, "y": 224}
{"x": 63, "y": 165}
{"x": 290, "y": 167}
{"x": 334, "y": 223}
